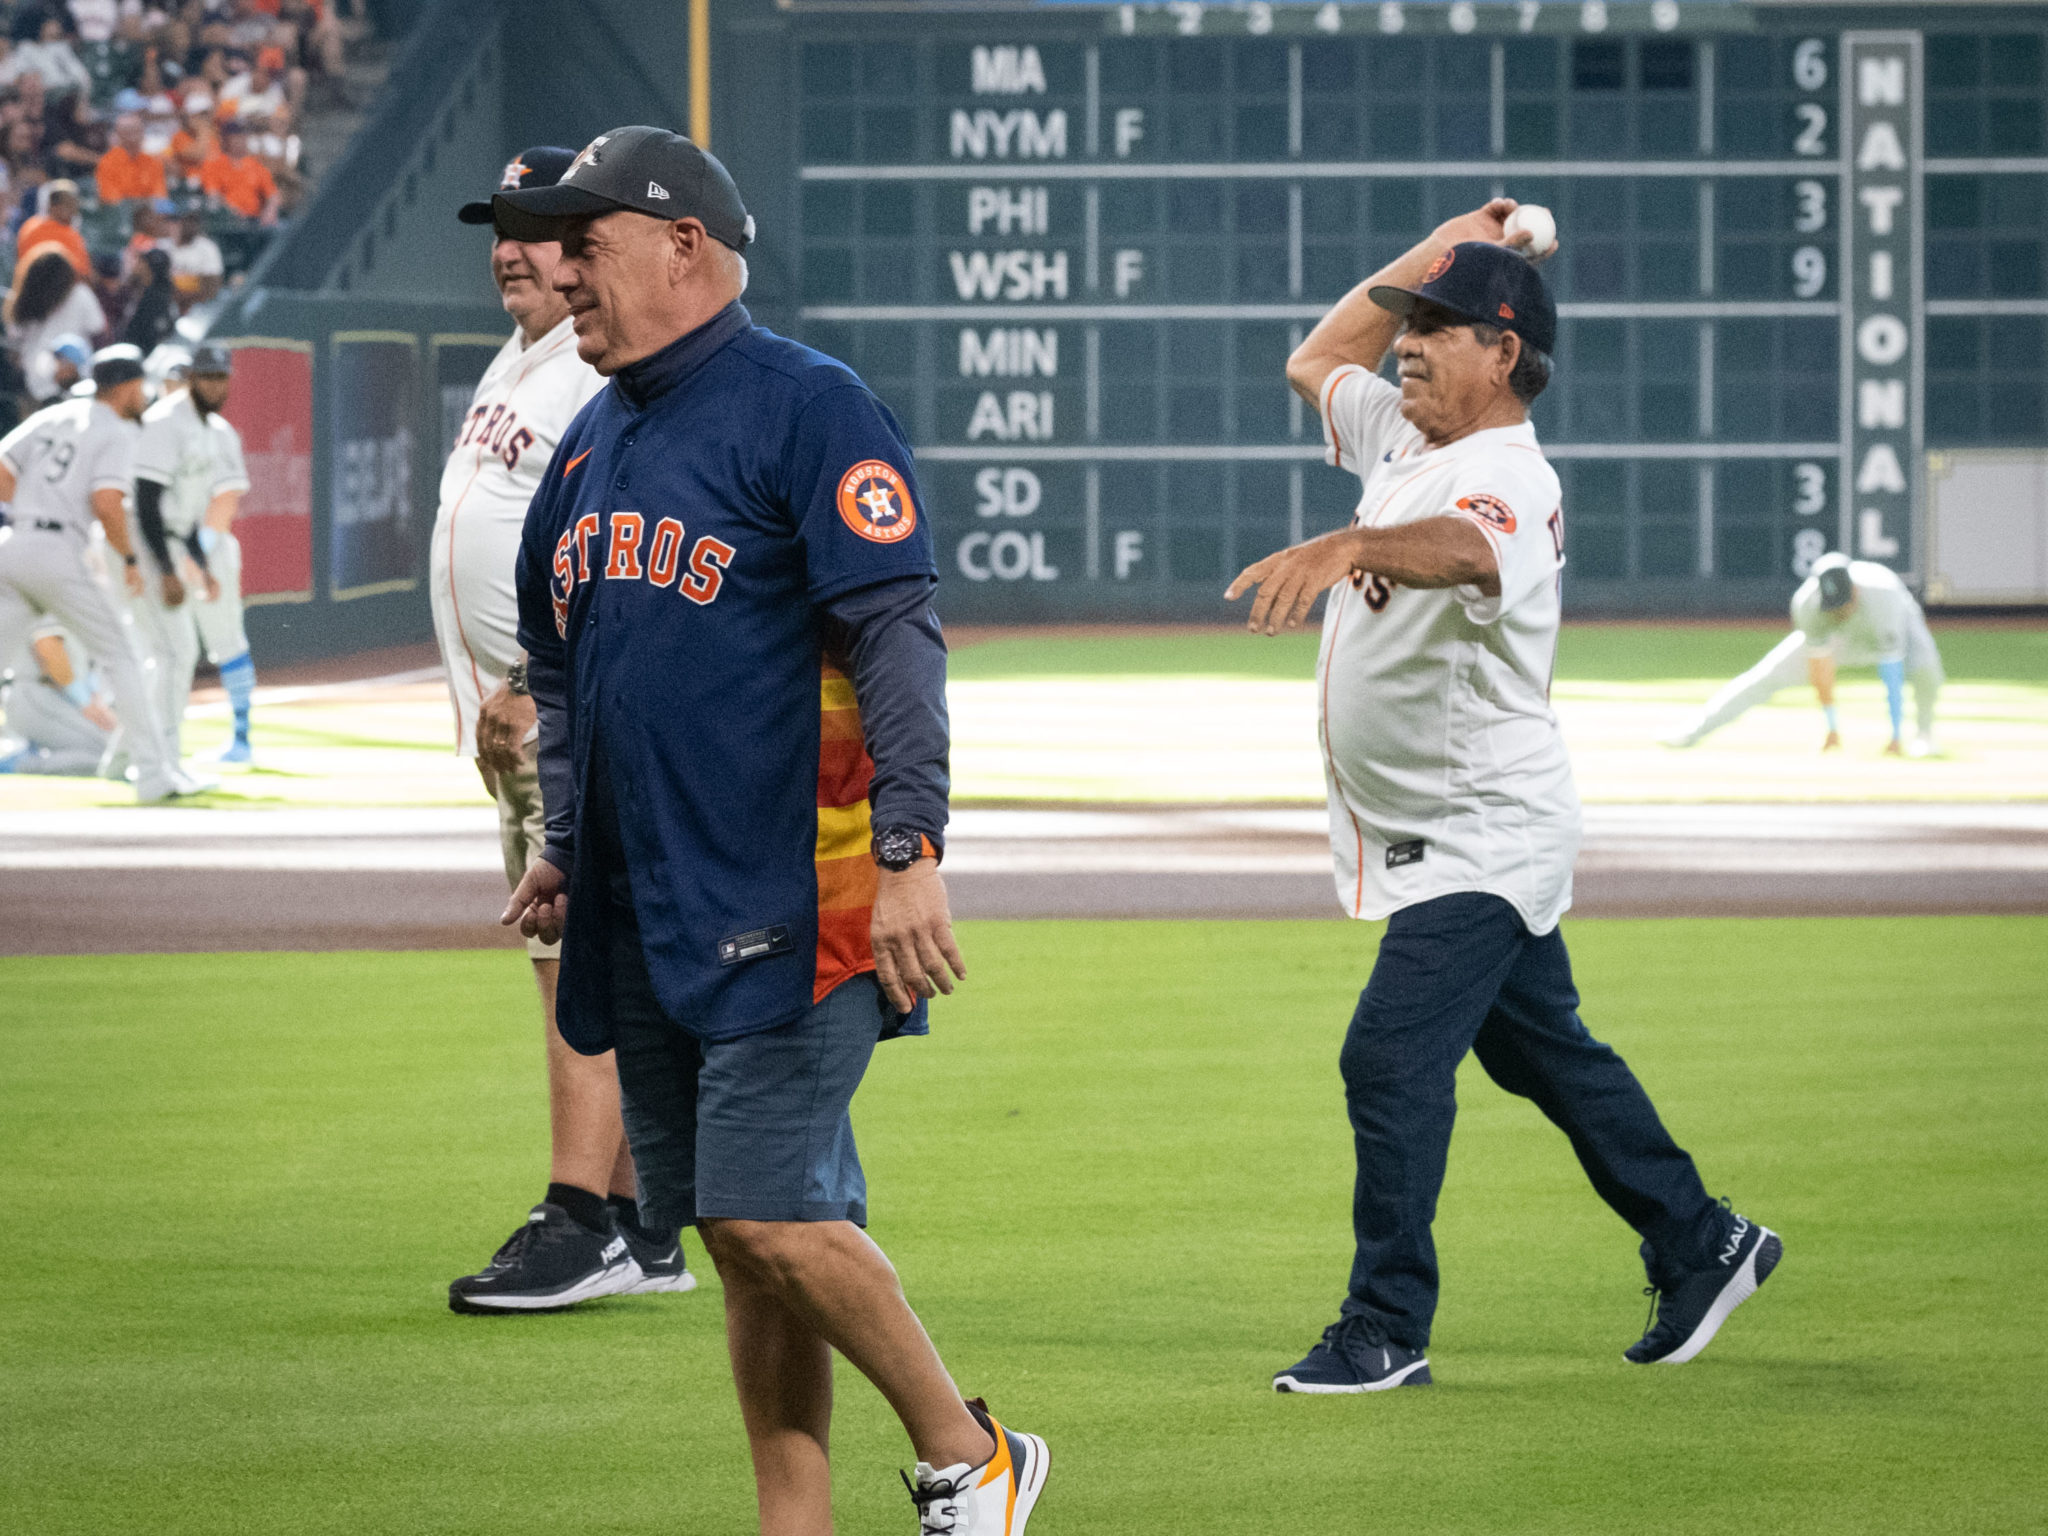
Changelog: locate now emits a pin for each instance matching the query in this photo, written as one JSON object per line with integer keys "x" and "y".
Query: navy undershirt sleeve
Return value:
{"x": 892, "y": 637}
{"x": 149, "y": 514}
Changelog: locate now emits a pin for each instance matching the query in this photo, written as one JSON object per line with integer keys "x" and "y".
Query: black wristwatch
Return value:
{"x": 515, "y": 680}
{"x": 897, "y": 848}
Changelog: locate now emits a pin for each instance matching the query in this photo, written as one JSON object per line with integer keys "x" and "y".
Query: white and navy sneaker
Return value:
{"x": 1684, "y": 1317}
{"x": 993, "y": 1499}
{"x": 662, "y": 1266}
{"x": 551, "y": 1262}
{"x": 1355, "y": 1355}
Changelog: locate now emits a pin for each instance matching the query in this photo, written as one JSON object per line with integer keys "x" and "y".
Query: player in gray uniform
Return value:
{"x": 53, "y": 714}
{"x": 189, "y": 476}
{"x": 1847, "y": 613}
{"x": 66, "y": 467}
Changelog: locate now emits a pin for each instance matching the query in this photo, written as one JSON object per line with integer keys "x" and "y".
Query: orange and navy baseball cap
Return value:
{"x": 1484, "y": 283}
{"x": 541, "y": 166}
{"x": 647, "y": 170}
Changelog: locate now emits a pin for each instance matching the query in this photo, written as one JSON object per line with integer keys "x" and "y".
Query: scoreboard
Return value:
{"x": 1071, "y": 246}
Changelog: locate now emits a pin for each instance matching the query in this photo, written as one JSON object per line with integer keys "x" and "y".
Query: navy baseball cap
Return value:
{"x": 541, "y": 166}
{"x": 1837, "y": 586}
{"x": 1487, "y": 284}
{"x": 212, "y": 360}
{"x": 649, "y": 170}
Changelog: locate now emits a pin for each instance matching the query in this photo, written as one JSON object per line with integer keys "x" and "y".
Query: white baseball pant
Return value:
{"x": 43, "y": 572}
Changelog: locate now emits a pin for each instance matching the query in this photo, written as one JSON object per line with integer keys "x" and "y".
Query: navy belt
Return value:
{"x": 50, "y": 525}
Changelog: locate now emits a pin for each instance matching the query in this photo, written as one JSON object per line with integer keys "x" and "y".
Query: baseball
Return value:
{"x": 1535, "y": 221}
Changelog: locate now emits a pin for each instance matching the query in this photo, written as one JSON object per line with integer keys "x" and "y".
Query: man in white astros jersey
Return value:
{"x": 584, "y": 1238}
{"x": 1452, "y": 808}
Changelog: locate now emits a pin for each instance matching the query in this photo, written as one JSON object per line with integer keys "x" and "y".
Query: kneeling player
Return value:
{"x": 1847, "y": 613}
{"x": 57, "y": 721}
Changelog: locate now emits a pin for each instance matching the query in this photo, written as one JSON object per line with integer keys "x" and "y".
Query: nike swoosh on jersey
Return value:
{"x": 570, "y": 468}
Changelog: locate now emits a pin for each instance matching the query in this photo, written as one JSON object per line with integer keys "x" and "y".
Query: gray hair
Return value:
{"x": 1531, "y": 375}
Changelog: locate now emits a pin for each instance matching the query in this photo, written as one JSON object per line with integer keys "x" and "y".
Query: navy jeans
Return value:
{"x": 1462, "y": 973}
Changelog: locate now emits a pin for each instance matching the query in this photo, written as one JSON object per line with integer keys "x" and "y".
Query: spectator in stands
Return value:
{"x": 157, "y": 103}
{"x": 110, "y": 64}
{"x": 278, "y": 147}
{"x": 46, "y": 302}
{"x": 58, "y": 224}
{"x": 246, "y": 26}
{"x": 318, "y": 30}
{"x": 126, "y": 171}
{"x": 238, "y": 180}
{"x": 73, "y": 141}
{"x": 215, "y": 71}
{"x": 47, "y": 53}
{"x": 153, "y": 303}
{"x": 256, "y": 92}
{"x": 196, "y": 265}
{"x": 96, "y": 20}
{"x": 149, "y": 229}
{"x": 195, "y": 143}
{"x": 21, "y": 150}
{"x": 70, "y": 356}
{"x": 35, "y": 105}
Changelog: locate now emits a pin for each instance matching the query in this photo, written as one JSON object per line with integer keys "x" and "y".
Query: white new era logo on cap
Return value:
{"x": 656, "y": 189}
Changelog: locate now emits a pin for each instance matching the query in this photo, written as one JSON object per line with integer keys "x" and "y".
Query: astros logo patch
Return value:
{"x": 875, "y": 503}
{"x": 1492, "y": 508}
{"x": 1440, "y": 266}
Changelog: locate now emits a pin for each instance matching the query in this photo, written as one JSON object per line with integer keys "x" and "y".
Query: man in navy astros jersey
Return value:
{"x": 725, "y": 596}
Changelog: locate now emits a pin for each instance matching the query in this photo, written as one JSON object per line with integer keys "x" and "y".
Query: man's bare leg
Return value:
{"x": 587, "y": 1138}
{"x": 783, "y": 1371}
{"x": 829, "y": 1277}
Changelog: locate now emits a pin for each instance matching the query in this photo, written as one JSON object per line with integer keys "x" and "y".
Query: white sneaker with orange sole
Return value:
{"x": 993, "y": 1499}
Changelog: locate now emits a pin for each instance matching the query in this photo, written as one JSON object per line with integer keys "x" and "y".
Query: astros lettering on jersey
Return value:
{"x": 522, "y": 406}
{"x": 678, "y": 564}
{"x": 1444, "y": 764}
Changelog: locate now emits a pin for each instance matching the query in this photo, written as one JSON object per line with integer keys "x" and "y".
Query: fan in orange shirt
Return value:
{"x": 58, "y": 225}
{"x": 125, "y": 171}
{"x": 238, "y": 179}
{"x": 195, "y": 142}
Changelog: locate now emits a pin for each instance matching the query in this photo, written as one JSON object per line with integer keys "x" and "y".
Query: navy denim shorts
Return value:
{"x": 753, "y": 1129}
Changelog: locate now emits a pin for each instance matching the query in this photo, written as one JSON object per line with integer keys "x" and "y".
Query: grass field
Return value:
{"x": 1116, "y": 1179}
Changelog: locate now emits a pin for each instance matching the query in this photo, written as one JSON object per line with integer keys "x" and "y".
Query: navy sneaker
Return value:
{"x": 662, "y": 1266}
{"x": 1355, "y": 1355}
{"x": 551, "y": 1262}
{"x": 1684, "y": 1317}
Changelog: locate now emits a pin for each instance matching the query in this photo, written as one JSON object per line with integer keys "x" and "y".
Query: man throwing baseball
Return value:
{"x": 1452, "y": 808}
{"x": 583, "y": 1239}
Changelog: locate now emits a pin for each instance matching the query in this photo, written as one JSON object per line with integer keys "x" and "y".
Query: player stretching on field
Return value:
{"x": 64, "y": 469}
{"x": 725, "y": 591}
{"x": 1847, "y": 613}
{"x": 1452, "y": 809}
{"x": 584, "y": 1239}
